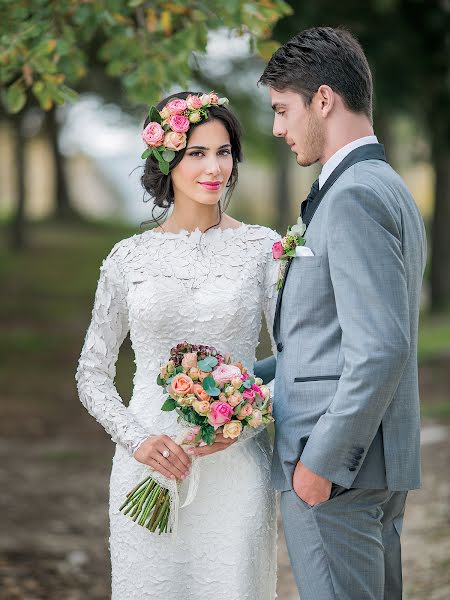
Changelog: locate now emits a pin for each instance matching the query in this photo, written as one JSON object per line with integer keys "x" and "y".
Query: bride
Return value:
{"x": 203, "y": 277}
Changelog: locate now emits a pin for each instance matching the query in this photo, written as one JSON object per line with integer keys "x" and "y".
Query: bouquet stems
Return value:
{"x": 148, "y": 504}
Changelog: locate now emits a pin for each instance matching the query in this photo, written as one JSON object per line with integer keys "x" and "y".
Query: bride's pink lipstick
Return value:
{"x": 213, "y": 186}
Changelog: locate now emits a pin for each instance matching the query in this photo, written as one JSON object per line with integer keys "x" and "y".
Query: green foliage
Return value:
{"x": 209, "y": 385}
{"x": 45, "y": 47}
{"x": 169, "y": 405}
{"x": 207, "y": 364}
{"x": 207, "y": 433}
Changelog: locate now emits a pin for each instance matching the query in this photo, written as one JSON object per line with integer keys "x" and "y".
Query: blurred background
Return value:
{"x": 76, "y": 80}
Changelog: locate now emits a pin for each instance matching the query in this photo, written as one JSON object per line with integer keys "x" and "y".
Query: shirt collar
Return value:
{"x": 339, "y": 156}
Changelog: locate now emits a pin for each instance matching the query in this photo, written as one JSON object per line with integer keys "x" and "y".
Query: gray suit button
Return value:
{"x": 359, "y": 450}
{"x": 358, "y": 456}
{"x": 352, "y": 468}
{"x": 280, "y": 347}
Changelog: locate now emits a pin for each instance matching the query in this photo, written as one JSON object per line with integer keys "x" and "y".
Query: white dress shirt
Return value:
{"x": 339, "y": 156}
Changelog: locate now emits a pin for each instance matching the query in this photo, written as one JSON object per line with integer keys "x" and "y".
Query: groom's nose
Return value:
{"x": 278, "y": 130}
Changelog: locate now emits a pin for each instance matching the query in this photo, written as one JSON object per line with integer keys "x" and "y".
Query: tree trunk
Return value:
{"x": 18, "y": 224}
{"x": 282, "y": 194}
{"x": 63, "y": 209}
{"x": 440, "y": 243}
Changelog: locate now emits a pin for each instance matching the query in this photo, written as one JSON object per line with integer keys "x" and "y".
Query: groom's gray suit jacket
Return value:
{"x": 346, "y": 387}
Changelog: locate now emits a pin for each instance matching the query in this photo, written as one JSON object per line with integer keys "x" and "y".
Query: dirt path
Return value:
{"x": 54, "y": 522}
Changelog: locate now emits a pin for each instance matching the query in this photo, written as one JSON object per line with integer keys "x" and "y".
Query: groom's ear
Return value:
{"x": 324, "y": 99}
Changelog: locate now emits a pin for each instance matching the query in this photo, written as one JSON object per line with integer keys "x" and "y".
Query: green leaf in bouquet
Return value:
{"x": 146, "y": 153}
{"x": 169, "y": 405}
{"x": 178, "y": 370}
{"x": 247, "y": 384}
{"x": 238, "y": 407}
{"x": 189, "y": 415}
{"x": 209, "y": 385}
{"x": 207, "y": 364}
{"x": 160, "y": 380}
{"x": 208, "y": 433}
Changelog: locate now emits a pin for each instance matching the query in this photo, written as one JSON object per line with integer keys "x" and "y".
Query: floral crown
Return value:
{"x": 166, "y": 132}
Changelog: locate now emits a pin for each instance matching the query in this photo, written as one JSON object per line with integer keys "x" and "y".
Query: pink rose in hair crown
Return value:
{"x": 277, "y": 250}
{"x": 174, "y": 140}
{"x": 193, "y": 102}
{"x": 225, "y": 373}
{"x": 153, "y": 134}
{"x": 213, "y": 98}
{"x": 179, "y": 123}
{"x": 176, "y": 106}
{"x": 221, "y": 413}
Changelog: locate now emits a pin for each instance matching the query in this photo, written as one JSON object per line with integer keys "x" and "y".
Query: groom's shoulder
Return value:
{"x": 375, "y": 174}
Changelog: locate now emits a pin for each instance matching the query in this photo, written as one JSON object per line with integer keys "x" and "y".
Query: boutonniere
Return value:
{"x": 284, "y": 250}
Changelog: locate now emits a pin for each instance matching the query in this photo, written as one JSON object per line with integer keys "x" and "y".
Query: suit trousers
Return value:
{"x": 347, "y": 548}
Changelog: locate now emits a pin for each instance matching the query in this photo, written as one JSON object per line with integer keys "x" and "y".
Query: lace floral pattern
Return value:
{"x": 164, "y": 288}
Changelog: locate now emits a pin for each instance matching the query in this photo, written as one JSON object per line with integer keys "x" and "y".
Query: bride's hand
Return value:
{"x": 220, "y": 443}
{"x": 174, "y": 466}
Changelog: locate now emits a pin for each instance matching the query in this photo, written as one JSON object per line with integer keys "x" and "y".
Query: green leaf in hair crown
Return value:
{"x": 166, "y": 132}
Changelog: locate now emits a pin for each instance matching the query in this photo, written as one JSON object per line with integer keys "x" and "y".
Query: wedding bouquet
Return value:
{"x": 210, "y": 395}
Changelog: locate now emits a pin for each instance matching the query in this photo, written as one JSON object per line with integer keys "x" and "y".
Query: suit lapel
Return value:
{"x": 366, "y": 152}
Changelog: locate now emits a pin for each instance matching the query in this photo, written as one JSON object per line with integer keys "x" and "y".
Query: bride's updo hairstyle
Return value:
{"x": 159, "y": 186}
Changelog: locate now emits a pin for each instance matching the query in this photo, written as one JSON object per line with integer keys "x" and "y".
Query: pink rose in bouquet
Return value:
{"x": 221, "y": 413}
{"x": 225, "y": 373}
{"x": 201, "y": 393}
{"x": 180, "y": 385}
{"x": 189, "y": 360}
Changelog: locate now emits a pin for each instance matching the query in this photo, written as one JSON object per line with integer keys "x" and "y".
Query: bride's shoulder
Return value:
{"x": 266, "y": 235}
{"x": 128, "y": 249}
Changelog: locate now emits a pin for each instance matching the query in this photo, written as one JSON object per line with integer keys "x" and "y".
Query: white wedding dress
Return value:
{"x": 164, "y": 289}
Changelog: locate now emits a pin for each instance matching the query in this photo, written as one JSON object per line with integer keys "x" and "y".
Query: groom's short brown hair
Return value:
{"x": 323, "y": 56}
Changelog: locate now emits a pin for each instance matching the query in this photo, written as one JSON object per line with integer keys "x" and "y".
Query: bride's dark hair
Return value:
{"x": 159, "y": 186}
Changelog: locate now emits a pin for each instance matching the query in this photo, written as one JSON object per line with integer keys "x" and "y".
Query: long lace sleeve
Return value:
{"x": 97, "y": 365}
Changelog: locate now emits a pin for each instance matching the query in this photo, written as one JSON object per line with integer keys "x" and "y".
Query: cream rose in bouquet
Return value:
{"x": 210, "y": 395}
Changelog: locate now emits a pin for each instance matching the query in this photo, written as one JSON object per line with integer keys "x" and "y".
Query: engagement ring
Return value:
{"x": 166, "y": 453}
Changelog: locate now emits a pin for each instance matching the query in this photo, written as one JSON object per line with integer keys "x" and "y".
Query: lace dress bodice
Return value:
{"x": 165, "y": 288}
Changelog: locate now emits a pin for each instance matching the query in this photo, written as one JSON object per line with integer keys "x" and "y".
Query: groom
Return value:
{"x": 346, "y": 393}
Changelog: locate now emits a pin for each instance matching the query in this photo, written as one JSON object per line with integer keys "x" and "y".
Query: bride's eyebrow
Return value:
{"x": 206, "y": 148}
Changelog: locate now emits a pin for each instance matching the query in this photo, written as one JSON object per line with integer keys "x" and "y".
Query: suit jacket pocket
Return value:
{"x": 317, "y": 378}
{"x": 307, "y": 262}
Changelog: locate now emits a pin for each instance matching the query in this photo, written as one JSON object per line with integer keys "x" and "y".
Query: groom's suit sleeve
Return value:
{"x": 364, "y": 245}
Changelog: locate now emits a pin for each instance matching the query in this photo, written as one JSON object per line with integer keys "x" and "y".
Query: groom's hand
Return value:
{"x": 220, "y": 443}
{"x": 311, "y": 488}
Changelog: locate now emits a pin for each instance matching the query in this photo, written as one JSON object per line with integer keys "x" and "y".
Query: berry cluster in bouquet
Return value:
{"x": 211, "y": 395}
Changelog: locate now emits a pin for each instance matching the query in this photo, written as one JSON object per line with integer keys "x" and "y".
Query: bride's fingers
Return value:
{"x": 168, "y": 465}
{"x": 177, "y": 451}
{"x": 157, "y": 467}
{"x": 173, "y": 456}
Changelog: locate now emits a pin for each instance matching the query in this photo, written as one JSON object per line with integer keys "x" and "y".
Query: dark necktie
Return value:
{"x": 306, "y": 206}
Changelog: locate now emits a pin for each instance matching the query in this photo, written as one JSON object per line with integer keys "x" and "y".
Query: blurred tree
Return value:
{"x": 407, "y": 45}
{"x": 146, "y": 46}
